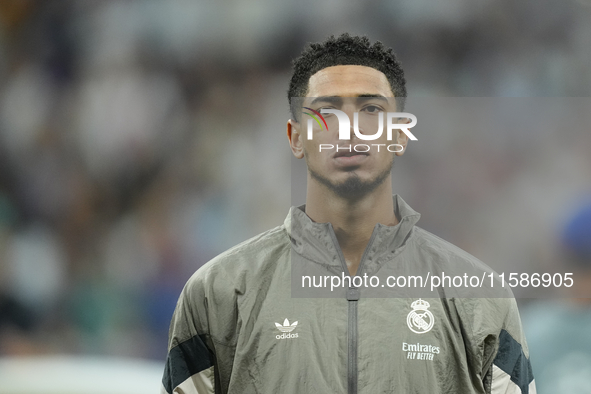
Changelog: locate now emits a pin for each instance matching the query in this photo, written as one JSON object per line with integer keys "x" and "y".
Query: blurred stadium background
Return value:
{"x": 138, "y": 139}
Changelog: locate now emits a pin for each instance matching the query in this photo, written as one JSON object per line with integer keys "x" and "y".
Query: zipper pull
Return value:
{"x": 353, "y": 294}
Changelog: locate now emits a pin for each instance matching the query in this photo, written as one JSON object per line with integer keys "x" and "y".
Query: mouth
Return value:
{"x": 346, "y": 159}
{"x": 346, "y": 153}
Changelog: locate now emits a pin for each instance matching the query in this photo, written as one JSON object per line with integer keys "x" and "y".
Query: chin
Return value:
{"x": 353, "y": 186}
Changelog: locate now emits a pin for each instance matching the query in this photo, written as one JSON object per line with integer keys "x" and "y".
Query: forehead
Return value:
{"x": 348, "y": 81}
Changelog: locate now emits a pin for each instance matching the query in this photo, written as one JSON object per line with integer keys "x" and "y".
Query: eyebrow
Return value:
{"x": 327, "y": 99}
{"x": 338, "y": 99}
{"x": 373, "y": 96}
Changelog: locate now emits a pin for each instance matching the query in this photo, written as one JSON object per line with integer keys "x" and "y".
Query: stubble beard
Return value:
{"x": 353, "y": 187}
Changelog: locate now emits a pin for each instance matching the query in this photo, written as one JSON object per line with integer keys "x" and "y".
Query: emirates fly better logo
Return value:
{"x": 345, "y": 128}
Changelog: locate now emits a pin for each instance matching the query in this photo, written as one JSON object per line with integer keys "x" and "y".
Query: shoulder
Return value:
{"x": 245, "y": 259}
{"x": 487, "y": 308}
{"x": 446, "y": 253}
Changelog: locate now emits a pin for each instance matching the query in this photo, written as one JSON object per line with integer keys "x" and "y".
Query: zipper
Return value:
{"x": 352, "y": 297}
{"x": 353, "y": 294}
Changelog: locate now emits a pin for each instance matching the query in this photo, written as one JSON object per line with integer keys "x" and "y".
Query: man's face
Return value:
{"x": 348, "y": 88}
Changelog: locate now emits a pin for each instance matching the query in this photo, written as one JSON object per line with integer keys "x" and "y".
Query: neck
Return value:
{"x": 353, "y": 219}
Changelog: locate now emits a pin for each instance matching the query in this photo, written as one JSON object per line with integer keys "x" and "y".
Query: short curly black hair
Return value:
{"x": 346, "y": 50}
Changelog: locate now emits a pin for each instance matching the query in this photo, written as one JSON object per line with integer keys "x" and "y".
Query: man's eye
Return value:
{"x": 320, "y": 111}
{"x": 372, "y": 109}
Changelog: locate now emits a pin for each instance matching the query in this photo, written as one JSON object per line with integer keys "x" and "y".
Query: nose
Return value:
{"x": 360, "y": 130}
{"x": 351, "y": 110}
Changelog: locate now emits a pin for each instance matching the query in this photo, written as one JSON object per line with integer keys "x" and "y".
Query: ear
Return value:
{"x": 402, "y": 139}
{"x": 295, "y": 138}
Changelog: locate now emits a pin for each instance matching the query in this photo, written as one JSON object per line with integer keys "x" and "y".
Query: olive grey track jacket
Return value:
{"x": 238, "y": 330}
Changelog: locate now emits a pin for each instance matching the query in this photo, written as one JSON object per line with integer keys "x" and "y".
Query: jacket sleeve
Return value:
{"x": 189, "y": 365}
{"x": 511, "y": 372}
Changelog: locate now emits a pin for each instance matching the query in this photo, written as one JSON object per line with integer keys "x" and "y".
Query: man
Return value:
{"x": 237, "y": 328}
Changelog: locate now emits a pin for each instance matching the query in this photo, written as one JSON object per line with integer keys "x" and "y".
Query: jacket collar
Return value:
{"x": 317, "y": 241}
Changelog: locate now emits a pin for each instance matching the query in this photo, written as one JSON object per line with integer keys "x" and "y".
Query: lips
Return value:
{"x": 344, "y": 152}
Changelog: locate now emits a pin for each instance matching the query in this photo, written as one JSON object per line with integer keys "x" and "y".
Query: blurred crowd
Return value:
{"x": 138, "y": 139}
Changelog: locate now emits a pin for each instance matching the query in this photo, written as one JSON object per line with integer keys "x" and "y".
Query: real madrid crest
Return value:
{"x": 420, "y": 320}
